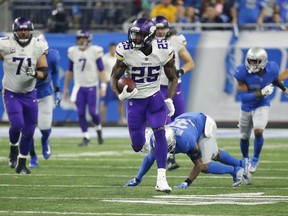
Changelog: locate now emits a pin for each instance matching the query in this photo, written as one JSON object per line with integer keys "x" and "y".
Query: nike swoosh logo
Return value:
{"x": 178, "y": 92}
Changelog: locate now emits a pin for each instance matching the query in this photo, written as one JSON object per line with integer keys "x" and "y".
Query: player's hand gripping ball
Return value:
{"x": 126, "y": 81}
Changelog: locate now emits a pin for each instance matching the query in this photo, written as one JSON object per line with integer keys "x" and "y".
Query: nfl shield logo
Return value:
{"x": 146, "y": 59}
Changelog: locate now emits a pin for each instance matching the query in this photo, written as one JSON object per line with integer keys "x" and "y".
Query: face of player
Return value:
{"x": 23, "y": 33}
{"x": 112, "y": 50}
{"x": 82, "y": 41}
{"x": 160, "y": 33}
{"x": 137, "y": 37}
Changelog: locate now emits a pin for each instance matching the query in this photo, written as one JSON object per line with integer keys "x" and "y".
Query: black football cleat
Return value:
{"x": 99, "y": 136}
{"x": 21, "y": 167}
{"x": 84, "y": 142}
{"x": 14, "y": 151}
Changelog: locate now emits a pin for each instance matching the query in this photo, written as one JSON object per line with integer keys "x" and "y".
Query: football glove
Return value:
{"x": 182, "y": 185}
{"x": 126, "y": 95}
{"x": 170, "y": 106}
{"x": 30, "y": 71}
{"x": 267, "y": 90}
{"x": 57, "y": 98}
{"x": 179, "y": 72}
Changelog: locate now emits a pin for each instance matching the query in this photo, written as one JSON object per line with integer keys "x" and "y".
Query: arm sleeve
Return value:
{"x": 246, "y": 97}
{"x": 70, "y": 67}
{"x": 146, "y": 165}
{"x": 100, "y": 65}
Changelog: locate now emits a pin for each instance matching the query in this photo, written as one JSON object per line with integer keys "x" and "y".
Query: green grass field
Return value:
{"x": 89, "y": 181}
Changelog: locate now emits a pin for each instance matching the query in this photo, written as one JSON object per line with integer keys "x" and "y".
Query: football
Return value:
{"x": 126, "y": 81}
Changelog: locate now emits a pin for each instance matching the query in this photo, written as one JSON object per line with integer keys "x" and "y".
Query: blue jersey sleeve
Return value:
{"x": 273, "y": 69}
{"x": 53, "y": 59}
{"x": 240, "y": 72}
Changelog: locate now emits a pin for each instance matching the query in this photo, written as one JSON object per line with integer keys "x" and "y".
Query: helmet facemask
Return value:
{"x": 142, "y": 33}
{"x": 161, "y": 23}
{"x": 19, "y": 28}
{"x": 169, "y": 134}
{"x": 84, "y": 34}
{"x": 170, "y": 137}
{"x": 256, "y": 60}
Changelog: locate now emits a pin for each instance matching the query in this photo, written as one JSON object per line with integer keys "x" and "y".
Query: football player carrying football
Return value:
{"x": 142, "y": 59}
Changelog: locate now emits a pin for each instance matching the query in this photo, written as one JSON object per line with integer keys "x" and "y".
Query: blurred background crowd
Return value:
{"x": 61, "y": 16}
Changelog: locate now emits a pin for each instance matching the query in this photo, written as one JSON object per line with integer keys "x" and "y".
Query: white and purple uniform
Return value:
{"x": 86, "y": 65}
{"x": 148, "y": 104}
{"x": 177, "y": 42}
{"x": 19, "y": 89}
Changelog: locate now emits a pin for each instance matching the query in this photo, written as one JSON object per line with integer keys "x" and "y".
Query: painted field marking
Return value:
{"x": 192, "y": 200}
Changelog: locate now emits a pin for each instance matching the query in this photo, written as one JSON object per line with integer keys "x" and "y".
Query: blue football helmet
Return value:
{"x": 84, "y": 34}
{"x": 21, "y": 23}
{"x": 141, "y": 33}
{"x": 256, "y": 59}
{"x": 161, "y": 23}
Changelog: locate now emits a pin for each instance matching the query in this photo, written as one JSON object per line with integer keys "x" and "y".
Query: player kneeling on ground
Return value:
{"x": 194, "y": 134}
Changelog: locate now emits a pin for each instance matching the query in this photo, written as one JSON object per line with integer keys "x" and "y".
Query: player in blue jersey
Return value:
{"x": 194, "y": 134}
{"x": 256, "y": 79}
{"x": 46, "y": 103}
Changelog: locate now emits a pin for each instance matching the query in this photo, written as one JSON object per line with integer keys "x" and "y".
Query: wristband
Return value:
{"x": 103, "y": 86}
{"x": 36, "y": 74}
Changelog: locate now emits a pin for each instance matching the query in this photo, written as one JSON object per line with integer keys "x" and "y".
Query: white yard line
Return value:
{"x": 122, "y": 132}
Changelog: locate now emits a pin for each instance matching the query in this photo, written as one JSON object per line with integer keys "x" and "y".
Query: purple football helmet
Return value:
{"x": 162, "y": 23}
{"x": 84, "y": 34}
{"x": 19, "y": 24}
{"x": 144, "y": 28}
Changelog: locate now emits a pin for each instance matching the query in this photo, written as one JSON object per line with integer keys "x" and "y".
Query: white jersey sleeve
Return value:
{"x": 85, "y": 70}
{"x": 177, "y": 42}
{"x": 17, "y": 59}
{"x": 145, "y": 70}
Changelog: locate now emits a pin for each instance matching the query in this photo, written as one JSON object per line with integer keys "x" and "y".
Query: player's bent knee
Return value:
{"x": 258, "y": 132}
{"x": 138, "y": 142}
{"x": 205, "y": 168}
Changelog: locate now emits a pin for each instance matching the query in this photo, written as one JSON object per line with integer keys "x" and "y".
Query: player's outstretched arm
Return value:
{"x": 196, "y": 157}
{"x": 280, "y": 85}
{"x": 283, "y": 75}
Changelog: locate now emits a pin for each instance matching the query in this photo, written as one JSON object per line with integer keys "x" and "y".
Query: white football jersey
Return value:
{"x": 109, "y": 61}
{"x": 86, "y": 73}
{"x": 177, "y": 42}
{"x": 17, "y": 59}
{"x": 145, "y": 70}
